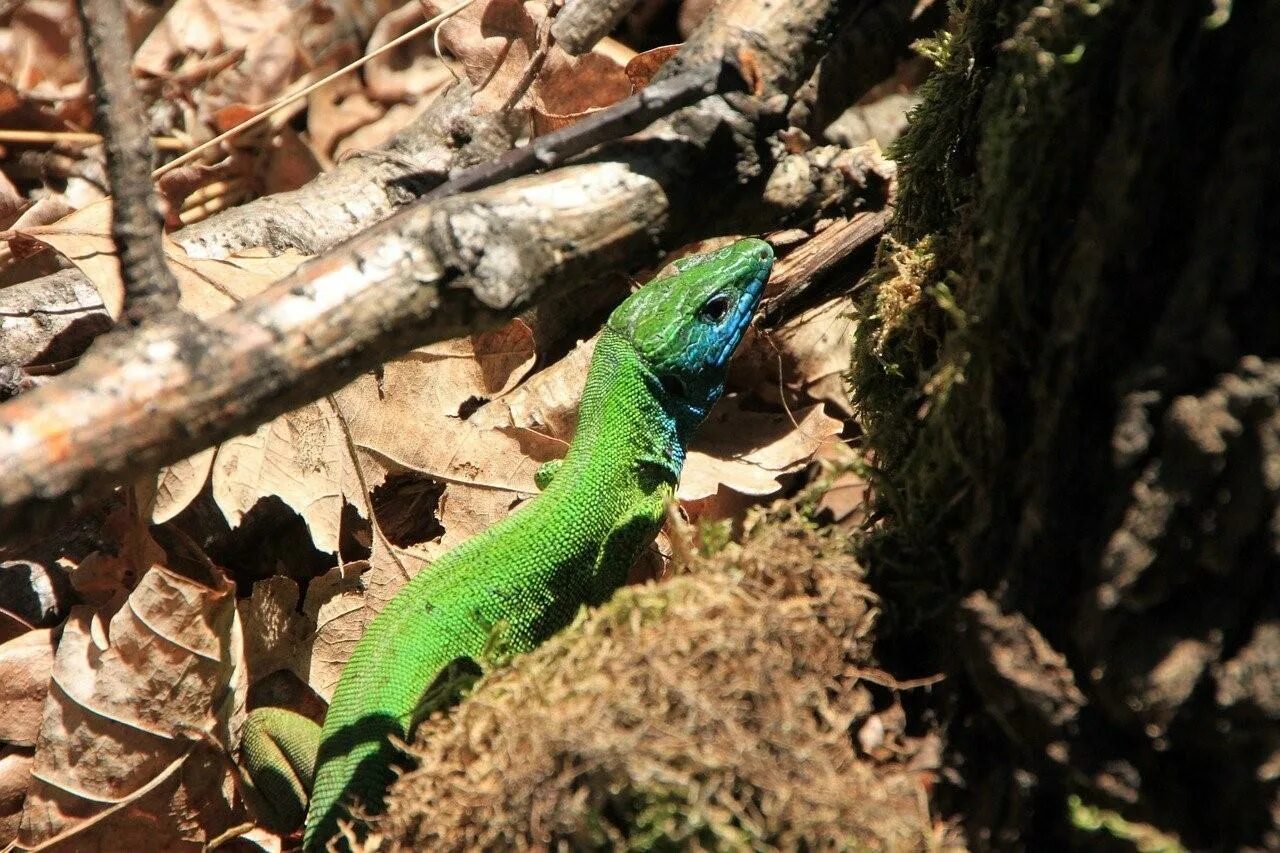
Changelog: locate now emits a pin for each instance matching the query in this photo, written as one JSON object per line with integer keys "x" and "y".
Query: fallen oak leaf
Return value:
{"x": 15, "y": 776}
{"x": 207, "y": 286}
{"x": 495, "y": 40}
{"x": 749, "y": 452}
{"x": 26, "y": 663}
{"x": 118, "y": 719}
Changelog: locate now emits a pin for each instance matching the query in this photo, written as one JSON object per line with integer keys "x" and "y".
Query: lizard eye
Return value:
{"x": 715, "y": 309}
{"x": 672, "y": 385}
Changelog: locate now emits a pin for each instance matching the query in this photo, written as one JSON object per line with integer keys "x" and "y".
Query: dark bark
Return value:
{"x": 149, "y": 287}
{"x": 1071, "y": 382}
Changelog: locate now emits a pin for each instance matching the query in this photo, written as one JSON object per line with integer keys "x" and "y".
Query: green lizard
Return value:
{"x": 658, "y": 367}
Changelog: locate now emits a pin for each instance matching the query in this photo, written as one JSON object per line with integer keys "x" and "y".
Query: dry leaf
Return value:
{"x": 40, "y": 63}
{"x": 336, "y": 604}
{"x": 845, "y": 496}
{"x": 494, "y": 41}
{"x": 641, "y": 67}
{"x": 410, "y": 70}
{"x": 276, "y": 634}
{"x": 407, "y": 416}
{"x": 179, "y": 483}
{"x": 25, "y": 665}
{"x": 129, "y": 695}
{"x": 270, "y": 45}
{"x": 336, "y": 110}
{"x": 207, "y": 286}
{"x": 15, "y": 776}
{"x": 808, "y": 354}
{"x": 300, "y": 457}
{"x": 748, "y": 452}
{"x": 102, "y": 577}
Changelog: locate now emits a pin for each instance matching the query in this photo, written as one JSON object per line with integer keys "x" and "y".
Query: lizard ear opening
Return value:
{"x": 715, "y": 309}
{"x": 672, "y": 385}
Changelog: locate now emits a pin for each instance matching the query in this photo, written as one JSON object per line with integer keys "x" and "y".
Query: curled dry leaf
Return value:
{"x": 407, "y": 416}
{"x": 409, "y": 71}
{"x": 26, "y": 663}
{"x": 343, "y": 617}
{"x": 102, "y": 577}
{"x": 336, "y": 604}
{"x": 300, "y": 457}
{"x": 241, "y": 50}
{"x": 641, "y": 67}
{"x": 44, "y": 79}
{"x": 275, "y": 632}
{"x": 748, "y": 452}
{"x": 144, "y": 699}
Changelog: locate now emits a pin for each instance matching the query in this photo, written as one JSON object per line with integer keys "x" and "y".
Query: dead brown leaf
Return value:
{"x": 40, "y": 64}
{"x": 271, "y": 43}
{"x": 641, "y": 67}
{"x": 807, "y": 354}
{"x": 15, "y": 776}
{"x": 336, "y": 604}
{"x": 138, "y": 699}
{"x": 495, "y": 40}
{"x": 749, "y": 452}
{"x": 178, "y": 484}
{"x": 25, "y": 665}
{"x": 407, "y": 416}
{"x": 336, "y": 110}
{"x": 845, "y": 498}
{"x": 207, "y": 286}
{"x": 410, "y": 71}
{"x": 276, "y": 634}
{"x": 300, "y": 457}
{"x": 103, "y": 577}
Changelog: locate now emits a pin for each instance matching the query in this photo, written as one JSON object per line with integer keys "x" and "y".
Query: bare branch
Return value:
{"x": 149, "y": 287}
{"x": 584, "y": 22}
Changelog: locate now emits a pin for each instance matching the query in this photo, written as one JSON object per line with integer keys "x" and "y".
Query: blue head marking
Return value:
{"x": 686, "y": 326}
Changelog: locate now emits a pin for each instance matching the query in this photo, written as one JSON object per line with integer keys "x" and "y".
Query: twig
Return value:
{"x": 621, "y": 119}
{"x": 819, "y": 257}
{"x": 584, "y": 22}
{"x": 70, "y": 137}
{"x": 535, "y": 63}
{"x": 149, "y": 286}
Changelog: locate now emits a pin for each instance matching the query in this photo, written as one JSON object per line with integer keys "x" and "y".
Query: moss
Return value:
{"x": 944, "y": 310}
{"x": 712, "y": 711}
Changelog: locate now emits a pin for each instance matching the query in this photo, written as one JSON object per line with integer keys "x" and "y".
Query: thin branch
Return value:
{"x": 149, "y": 286}
{"x": 584, "y": 22}
{"x": 621, "y": 119}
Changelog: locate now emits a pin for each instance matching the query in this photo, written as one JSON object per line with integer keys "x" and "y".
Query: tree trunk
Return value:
{"x": 1070, "y": 382}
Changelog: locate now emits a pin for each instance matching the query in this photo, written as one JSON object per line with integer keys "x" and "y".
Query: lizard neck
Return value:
{"x": 624, "y": 421}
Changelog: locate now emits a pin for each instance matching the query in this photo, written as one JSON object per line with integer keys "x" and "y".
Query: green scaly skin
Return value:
{"x": 658, "y": 368}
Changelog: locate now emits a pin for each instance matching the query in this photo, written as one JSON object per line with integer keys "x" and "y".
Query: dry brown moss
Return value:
{"x": 714, "y": 710}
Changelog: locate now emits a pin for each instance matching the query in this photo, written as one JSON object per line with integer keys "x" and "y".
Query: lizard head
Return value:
{"x": 685, "y": 326}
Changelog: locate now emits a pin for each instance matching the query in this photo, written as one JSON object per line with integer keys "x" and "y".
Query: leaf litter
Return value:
{"x": 132, "y": 700}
